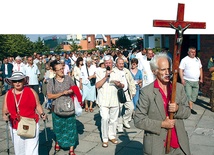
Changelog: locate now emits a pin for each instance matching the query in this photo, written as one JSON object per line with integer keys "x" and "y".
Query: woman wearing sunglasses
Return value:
{"x": 22, "y": 101}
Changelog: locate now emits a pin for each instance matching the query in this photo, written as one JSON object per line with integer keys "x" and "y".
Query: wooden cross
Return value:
{"x": 180, "y": 26}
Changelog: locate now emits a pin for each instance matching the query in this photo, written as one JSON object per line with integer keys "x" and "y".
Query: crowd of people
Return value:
{"x": 144, "y": 76}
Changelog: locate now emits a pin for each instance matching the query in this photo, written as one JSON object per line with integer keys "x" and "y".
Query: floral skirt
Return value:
{"x": 65, "y": 130}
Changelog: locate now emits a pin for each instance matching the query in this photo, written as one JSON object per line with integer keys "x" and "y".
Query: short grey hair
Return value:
{"x": 154, "y": 61}
{"x": 62, "y": 60}
{"x": 108, "y": 57}
{"x": 88, "y": 59}
{"x": 18, "y": 58}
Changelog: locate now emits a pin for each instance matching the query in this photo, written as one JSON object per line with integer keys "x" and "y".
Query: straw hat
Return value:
{"x": 17, "y": 76}
{"x": 101, "y": 62}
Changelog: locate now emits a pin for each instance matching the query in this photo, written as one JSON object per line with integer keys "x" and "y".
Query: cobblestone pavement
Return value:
{"x": 200, "y": 129}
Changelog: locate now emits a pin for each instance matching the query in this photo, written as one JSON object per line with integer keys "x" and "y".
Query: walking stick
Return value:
{"x": 46, "y": 135}
{"x": 7, "y": 133}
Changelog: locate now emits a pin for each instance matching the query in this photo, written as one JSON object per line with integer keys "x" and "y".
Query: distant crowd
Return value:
{"x": 144, "y": 78}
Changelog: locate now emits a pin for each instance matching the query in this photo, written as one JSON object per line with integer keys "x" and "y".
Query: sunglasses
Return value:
{"x": 15, "y": 81}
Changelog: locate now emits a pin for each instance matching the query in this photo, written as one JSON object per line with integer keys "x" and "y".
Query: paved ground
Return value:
{"x": 200, "y": 129}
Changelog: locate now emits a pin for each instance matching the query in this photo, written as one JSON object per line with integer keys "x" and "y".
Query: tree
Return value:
{"x": 123, "y": 42}
{"x": 139, "y": 44}
{"x": 39, "y": 46}
{"x": 58, "y": 49}
{"x": 15, "y": 44}
{"x": 74, "y": 46}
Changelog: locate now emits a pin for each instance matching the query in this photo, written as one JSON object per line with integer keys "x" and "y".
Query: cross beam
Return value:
{"x": 179, "y": 21}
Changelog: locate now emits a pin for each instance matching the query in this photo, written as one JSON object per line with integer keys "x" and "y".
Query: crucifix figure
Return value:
{"x": 180, "y": 26}
{"x": 179, "y": 31}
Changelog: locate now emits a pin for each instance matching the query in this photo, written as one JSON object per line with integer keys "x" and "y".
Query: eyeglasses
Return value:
{"x": 60, "y": 69}
{"x": 15, "y": 81}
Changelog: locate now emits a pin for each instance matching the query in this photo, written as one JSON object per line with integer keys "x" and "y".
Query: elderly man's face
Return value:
{"x": 120, "y": 64}
{"x": 163, "y": 71}
{"x": 149, "y": 54}
{"x": 108, "y": 63}
{"x": 30, "y": 60}
{"x": 88, "y": 63}
{"x": 192, "y": 53}
{"x": 18, "y": 61}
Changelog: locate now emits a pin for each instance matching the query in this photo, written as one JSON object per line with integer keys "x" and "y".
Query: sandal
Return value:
{"x": 91, "y": 110}
{"x": 114, "y": 141}
{"x": 105, "y": 144}
{"x": 57, "y": 147}
{"x": 71, "y": 152}
{"x": 86, "y": 109}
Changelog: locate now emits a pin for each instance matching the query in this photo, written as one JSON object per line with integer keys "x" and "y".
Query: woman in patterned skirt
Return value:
{"x": 65, "y": 128}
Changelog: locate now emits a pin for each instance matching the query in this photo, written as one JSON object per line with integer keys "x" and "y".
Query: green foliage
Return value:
{"x": 139, "y": 44}
{"x": 156, "y": 49}
{"x": 94, "y": 49}
{"x": 123, "y": 42}
{"x": 17, "y": 44}
{"x": 39, "y": 46}
{"x": 74, "y": 46}
{"x": 58, "y": 49}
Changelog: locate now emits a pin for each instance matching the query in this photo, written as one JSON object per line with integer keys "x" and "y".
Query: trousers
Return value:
{"x": 25, "y": 146}
{"x": 109, "y": 117}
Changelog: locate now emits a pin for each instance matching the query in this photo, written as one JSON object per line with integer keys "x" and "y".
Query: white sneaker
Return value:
{"x": 126, "y": 125}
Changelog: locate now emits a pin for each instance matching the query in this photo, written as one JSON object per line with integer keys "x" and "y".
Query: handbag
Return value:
{"x": 26, "y": 127}
{"x": 121, "y": 95}
{"x": 92, "y": 80}
{"x": 64, "y": 108}
{"x": 78, "y": 108}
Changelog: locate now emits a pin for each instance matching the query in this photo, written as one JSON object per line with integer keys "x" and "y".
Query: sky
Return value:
{"x": 93, "y": 17}
{"x": 34, "y": 37}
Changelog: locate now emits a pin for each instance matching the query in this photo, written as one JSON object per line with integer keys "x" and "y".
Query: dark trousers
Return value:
{"x": 1, "y": 86}
{"x": 35, "y": 88}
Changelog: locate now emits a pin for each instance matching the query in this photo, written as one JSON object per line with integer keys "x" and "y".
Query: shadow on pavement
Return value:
{"x": 127, "y": 146}
{"x": 97, "y": 119}
{"x": 45, "y": 146}
{"x": 80, "y": 127}
{"x": 203, "y": 104}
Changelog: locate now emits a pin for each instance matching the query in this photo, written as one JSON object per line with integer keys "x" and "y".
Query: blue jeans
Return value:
{"x": 136, "y": 97}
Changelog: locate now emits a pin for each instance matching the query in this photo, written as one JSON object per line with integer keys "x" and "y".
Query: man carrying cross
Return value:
{"x": 153, "y": 108}
{"x": 163, "y": 104}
